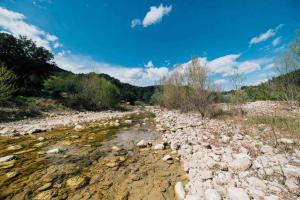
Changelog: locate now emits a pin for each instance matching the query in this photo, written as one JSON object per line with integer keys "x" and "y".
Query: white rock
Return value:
{"x": 55, "y": 151}
{"x": 257, "y": 183}
{"x": 78, "y": 127}
{"x": 159, "y": 147}
{"x": 241, "y": 162}
{"x": 291, "y": 184}
{"x": 212, "y": 194}
{"x": 4, "y": 131}
{"x": 179, "y": 191}
{"x": 286, "y": 141}
{"x": 225, "y": 139}
{"x": 255, "y": 193}
{"x": 142, "y": 143}
{"x": 266, "y": 149}
{"x": 291, "y": 171}
{"x": 128, "y": 121}
{"x": 235, "y": 193}
{"x": 271, "y": 197}
{"x": 7, "y": 158}
{"x": 206, "y": 174}
{"x": 167, "y": 157}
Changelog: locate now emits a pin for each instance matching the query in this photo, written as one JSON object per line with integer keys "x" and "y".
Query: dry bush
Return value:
{"x": 190, "y": 89}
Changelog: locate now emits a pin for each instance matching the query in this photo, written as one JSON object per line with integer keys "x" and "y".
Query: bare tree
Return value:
{"x": 239, "y": 96}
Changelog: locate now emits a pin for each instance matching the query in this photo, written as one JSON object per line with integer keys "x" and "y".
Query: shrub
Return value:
{"x": 7, "y": 79}
{"x": 88, "y": 91}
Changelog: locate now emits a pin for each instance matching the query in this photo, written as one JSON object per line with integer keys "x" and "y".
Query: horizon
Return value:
{"x": 140, "y": 42}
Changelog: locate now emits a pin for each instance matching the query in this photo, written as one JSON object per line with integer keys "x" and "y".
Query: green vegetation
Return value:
{"x": 7, "y": 78}
{"x": 292, "y": 125}
{"x": 87, "y": 91}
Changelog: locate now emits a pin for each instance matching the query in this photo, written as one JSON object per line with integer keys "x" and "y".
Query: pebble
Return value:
{"x": 179, "y": 191}
{"x": 167, "y": 157}
{"x": 142, "y": 143}
{"x": 77, "y": 182}
{"x": 7, "y": 158}
{"x": 158, "y": 147}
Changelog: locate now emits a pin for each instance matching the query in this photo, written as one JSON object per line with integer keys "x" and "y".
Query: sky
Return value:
{"x": 141, "y": 41}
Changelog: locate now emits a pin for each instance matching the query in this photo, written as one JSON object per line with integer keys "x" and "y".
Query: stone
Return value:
{"x": 266, "y": 149}
{"x": 286, "y": 141}
{"x": 212, "y": 194}
{"x": 115, "y": 148}
{"x": 242, "y": 162}
{"x": 167, "y": 157}
{"x": 271, "y": 197}
{"x": 111, "y": 164}
{"x": 56, "y": 151}
{"x": 142, "y": 143}
{"x": 128, "y": 121}
{"x": 225, "y": 139}
{"x": 235, "y": 193}
{"x": 158, "y": 147}
{"x": 40, "y": 138}
{"x": 66, "y": 142}
{"x": 7, "y": 158}
{"x": 7, "y": 164}
{"x": 179, "y": 191}
{"x": 46, "y": 186}
{"x": 12, "y": 174}
{"x": 206, "y": 174}
{"x": 4, "y": 131}
{"x": 77, "y": 182}
{"x": 291, "y": 184}
{"x": 78, "y": 127}
{"x": 257, "y": 183}
{"x": 291, "y": 171}
{"x": 14, "y": 147}
{"x": 44, "y": 195}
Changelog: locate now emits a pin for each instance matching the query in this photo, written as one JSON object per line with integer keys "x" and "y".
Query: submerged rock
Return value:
{"x": 46, "y": 186}
{"x": 14, "y": 147}
{"x": 179, "y": 191}
{"x": 77, "y": 182}
{"x": 7, "y": 158}
{"x": 56, "y": 151}
{"x": 12, "y": 174}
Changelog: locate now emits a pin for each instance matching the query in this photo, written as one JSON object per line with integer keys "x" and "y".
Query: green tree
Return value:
{"x": 7, "y": 78}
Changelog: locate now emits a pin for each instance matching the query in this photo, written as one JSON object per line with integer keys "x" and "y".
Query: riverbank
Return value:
{"x": 42, "y": 124}
{"x": 226, "y": 159}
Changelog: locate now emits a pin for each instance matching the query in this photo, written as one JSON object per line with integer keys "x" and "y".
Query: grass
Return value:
{"x": 289, "y": 124}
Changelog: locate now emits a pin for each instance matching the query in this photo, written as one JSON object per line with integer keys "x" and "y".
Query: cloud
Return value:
{"x": 149, "y": 64}
{"x": 153, "y": 16}
{"x": 248, "y": 67}
{"x": 223, "y": 65}
{"x": 14, "y": 23}
{"x": 276, "y": 41}
{"x": 262, "y": 37}
{"x": 265, "y": 36}
{"x": 220, "y": 81}
{"x": 135, "y": 22}
{"x": 134, "y": 75}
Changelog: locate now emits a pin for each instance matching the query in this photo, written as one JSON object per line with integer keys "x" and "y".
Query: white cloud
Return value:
{"x": 153, "y": 16}
{"x": 270, "y": 66}
{"x": 135, "y": 22}
{"x": 276, "y": 41}
{"x": 220, "y": 81}
{"x": 223, "y": 65}
{"x": 262, "y": 37}
{"x": 248, "y": 67}
{"x": 14, "y": 23}
{"x": 136, "y": 75}
{"x": 149, "y": 64}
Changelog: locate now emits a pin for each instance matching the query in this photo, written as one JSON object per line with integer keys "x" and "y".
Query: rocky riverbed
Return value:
{"x": 119, "y": 157}
{"x": 224, "y": 161}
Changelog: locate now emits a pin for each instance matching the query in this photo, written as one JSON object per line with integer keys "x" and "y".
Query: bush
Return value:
{"x": 88, "y": 91}
{"x": 7, "y": 79}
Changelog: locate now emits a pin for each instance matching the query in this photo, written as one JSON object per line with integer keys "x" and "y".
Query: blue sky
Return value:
{"x": 140, "y": 41}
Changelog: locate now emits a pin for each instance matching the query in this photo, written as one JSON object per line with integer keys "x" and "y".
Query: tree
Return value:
{"x": 239, "y": 96}
{"x": 7, "y": 78}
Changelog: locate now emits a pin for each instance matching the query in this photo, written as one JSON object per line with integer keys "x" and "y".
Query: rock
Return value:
{"x": 206, "y": 174}
{"x": 77, "y": 182}
{"x": 40, "y": 138}
{"x": 291, "y": 171}
{"x": 25, "y": 151}
{"x": 225, "y": 139}
{"x": 292, "y": 184}
{"x": 235, "y": 193}
{"x": 271, "y": 197}
{"x": 179, "y": 191}
{"x": 256, "y": 183}
{"x": 142, "y": 143}
{"x": 36, "y": 130}
{"x": 167, "y": 157}
{"x": 4, "y": 131}
{"x": 255, "y": 193}
{"x": 56, "y": 150}
{"x": 7, "y": 158}
{"x": 158, "y": 147}
{"x": 7, "y": 164}
{"x": 286, "y": 141}
{"x": 44, "y": 195}
{"x": 111, "y": 164}
{"x": 78, "y": 127}
{"x": 116, "y": 148}
{"x": 12, "y": 174}
{"x": 128, "y": 121}
{"x": 66, "y": 142}
{"x": 46, "y": 186}
{"x": 14, "y": 147}
{"x": 266, "y": 149}
{"x": 242, "y": 162}
{"x": 212, "y": 194}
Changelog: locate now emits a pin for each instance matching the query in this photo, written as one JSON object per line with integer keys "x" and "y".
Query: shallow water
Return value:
{"x": 86, "y": 166}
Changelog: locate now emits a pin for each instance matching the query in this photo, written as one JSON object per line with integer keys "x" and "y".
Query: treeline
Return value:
{"x": 28, "y": 70}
